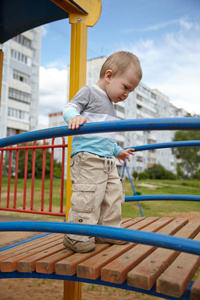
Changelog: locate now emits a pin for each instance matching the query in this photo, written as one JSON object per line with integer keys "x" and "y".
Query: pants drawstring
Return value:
{"x": 108, "y": 164}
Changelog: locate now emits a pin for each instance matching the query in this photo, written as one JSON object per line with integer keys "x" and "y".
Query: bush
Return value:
{"x": 159, "y": 172}
{"x": 197, "y": 175}
{"x": 143, "y": 175}
{"x": 135, "y": 175}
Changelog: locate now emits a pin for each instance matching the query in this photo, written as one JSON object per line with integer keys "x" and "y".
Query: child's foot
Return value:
{"x": 80, "y": 247}
{"x": 101, "y": 240}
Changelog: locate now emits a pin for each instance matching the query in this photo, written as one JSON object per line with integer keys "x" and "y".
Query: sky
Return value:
{"x": 164, "y": 34}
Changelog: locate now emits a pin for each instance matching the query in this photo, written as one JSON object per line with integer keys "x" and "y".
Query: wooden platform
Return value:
{"x": 142, "y": 266}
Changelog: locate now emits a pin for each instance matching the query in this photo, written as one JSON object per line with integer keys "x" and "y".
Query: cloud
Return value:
{"x": 44, "y": 29}
{"x": 171, "y": 64}
{"x": 53, "y": 92}
{"x": 182, "y": 22}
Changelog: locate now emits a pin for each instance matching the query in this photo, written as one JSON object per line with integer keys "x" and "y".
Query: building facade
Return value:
{"x": 20, "y": 84}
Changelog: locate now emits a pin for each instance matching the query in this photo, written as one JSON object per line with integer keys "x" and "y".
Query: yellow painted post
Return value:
{"x": 78, "y": 70}
{"x": 1, "y": 73}
{"x": 78, "y": 63}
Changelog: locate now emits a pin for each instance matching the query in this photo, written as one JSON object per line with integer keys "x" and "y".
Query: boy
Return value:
{"x": 97, "y": 188}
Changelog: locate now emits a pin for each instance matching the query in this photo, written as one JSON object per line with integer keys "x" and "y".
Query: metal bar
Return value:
{"x": 16, "y": 178}
{"x": 135, "y": 236}
{"x": 134, "y": 191}
{"x": 32, "y": 147}
{"x": 25, "y": 176}
{"x": 43, "y": 176}
{"x": 62, "y": 176}
{"x": 23, "y": 241}
{"x": 9, "y": 178}
{"x": 33, "y": 211}
{"x": 1, "y": 172}
{"x": 33, "y": 177}
{"x": 51, "y": 177}
{"x": 166, "y": 145}
{"x": 163, "y": 197}
{"x": 125, "y": 286}
{"x": 122, "y": 125}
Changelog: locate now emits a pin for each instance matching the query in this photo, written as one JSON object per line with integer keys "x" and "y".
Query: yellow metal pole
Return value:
{"x": 1, "y": 73}
{"x": 78, "y": 64}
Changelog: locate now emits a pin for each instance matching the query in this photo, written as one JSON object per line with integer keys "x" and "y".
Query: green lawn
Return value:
{"x": 160, "y": 187}
{"x": 129, "y": 209}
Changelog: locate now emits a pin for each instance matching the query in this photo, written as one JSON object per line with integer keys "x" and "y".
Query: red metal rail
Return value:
{"x": 13, "y": 161}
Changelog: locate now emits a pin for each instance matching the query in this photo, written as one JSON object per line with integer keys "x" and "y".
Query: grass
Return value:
{"x": 129, "y": 209}
{"x": 160, "y": 187}
{"x": 56, "y": 195}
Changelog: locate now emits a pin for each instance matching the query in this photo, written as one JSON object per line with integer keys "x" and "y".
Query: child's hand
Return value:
{"x": 124, "y": 154}
{"x": 77, "y": 121}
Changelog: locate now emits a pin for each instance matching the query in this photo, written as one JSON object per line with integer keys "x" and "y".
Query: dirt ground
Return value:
{"x": 36, "y": 289}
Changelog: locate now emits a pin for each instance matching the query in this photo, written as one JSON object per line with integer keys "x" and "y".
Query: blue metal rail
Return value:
{"x": 167, "y": 145}
{"x": 123, "y": 125}
{"x": 135, "y": 236}
{"x": 124, "y": 285}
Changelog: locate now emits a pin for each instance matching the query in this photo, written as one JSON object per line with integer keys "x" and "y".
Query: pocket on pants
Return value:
{"x": 82, "y": 199}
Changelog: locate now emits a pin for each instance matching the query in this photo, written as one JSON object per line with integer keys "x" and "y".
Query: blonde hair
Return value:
{"x": 119, "y": 61}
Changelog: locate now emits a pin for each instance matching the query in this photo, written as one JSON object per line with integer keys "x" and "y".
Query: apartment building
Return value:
{"x": 20, "y": 84}
{"x": 142, "y": 103}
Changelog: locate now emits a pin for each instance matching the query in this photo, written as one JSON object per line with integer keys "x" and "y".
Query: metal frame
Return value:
{"x": 149, "y": 238}
{"x": 75, "y": 279}
{"x": 72, "y": 285}
{"x": 33, "y": 148}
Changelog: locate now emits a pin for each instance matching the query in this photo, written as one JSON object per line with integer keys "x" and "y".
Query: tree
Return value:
{"x": 38, "y": 163}
{"x": 159, "y": 172}
{"x": 189, "y": 156}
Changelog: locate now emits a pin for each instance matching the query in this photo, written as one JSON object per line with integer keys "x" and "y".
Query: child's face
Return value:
{"x": 119, "y": 86}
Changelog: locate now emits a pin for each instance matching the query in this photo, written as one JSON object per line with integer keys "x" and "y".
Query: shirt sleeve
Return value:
{"x": 117, "y": 149}
{"x": 76, "y": 105}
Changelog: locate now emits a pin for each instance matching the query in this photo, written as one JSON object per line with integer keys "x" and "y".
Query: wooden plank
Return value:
{"x": 68, "y": 266}
{"x": 29, "y": 245}
{"x": 146, "y": 273}
{"x": 10, "y": 264}
{"x": 47, "y": 264}
{"x": 124, "y": 220}
{"x": 91, "y": 268}
{"x": 176, "y": 278}
{"x": 28, "y": 264}
{"x": 117, "y": 270}
{"x": 195, "y": 291}
{"x": 131, "y": 222}
{"x": 143, "y": 223}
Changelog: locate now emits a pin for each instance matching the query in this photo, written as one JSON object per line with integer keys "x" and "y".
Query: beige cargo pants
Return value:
{"x": 97, "y": 192}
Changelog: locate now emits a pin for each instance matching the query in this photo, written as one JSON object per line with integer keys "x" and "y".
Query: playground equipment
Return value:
{"x": 145, "y": 265}
{"x": 81, "y": 14}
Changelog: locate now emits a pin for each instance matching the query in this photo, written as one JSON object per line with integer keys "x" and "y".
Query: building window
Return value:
{"x": 18, "y": 114}
{"x": 19, "y": 95}
{"x": 12, "y": 131}
{"x": 120, "y": 108}
{"x": 22, "y": 40}
{"x": 139, "y": 158}
{"x": 139, "y": 97}
{"x": 21, "y": 57}
{"x": 21, "y": 77}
